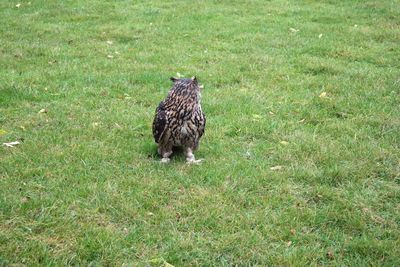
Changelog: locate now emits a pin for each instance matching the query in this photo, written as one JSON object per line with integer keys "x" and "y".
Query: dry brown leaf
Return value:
{"x": 329, "y": 254}
{"x": 289, "y": 243}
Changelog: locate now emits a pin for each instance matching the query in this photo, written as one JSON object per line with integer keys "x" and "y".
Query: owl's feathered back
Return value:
{"x": 179, "y": 119}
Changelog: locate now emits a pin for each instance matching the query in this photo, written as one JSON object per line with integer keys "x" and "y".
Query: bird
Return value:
{"x": 179, "y": 120}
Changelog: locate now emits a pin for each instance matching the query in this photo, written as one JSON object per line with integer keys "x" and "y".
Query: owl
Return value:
{"x": 179, "y": 120}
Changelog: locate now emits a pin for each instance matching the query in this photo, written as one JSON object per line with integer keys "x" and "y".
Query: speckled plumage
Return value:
{"x": 179, "y": 119}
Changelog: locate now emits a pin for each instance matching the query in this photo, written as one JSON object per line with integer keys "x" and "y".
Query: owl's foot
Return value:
{"x": 165, "y": 160}
{"x": 165, "y": 156}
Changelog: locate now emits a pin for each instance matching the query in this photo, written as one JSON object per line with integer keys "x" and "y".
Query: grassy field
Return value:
{"x": 312, "y": 86}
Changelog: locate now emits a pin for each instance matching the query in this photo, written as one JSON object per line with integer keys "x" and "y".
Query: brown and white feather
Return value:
{"x": 179, "y": 119}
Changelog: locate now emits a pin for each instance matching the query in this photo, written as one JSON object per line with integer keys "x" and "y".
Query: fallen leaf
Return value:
{"x": 292, "y": 231}
{"x": 271, "y": 113}
{"x": 95, "y": 124}
{"x": 256, "y": 116}
{"x": 289, "y": 243}
{"x": 166, "y": 264}
{"x": 18, "y": 55}
{"x": 178, "y": 75}
{"x": 3, "y": 131}
{"x": 150, "y": 214}
{"x": 178, "y": 215}
{"x": 320, "y": 36}
{"x": 17, "y": 5}
{"x": 110, "y": 56}
{"x": 52, "y": 62}
{"x": 43, "y": 110}
{"x": 284, "y": 143}
{"x": 329, "y": 254}
{"x": 228, "y": 177}
{"x": 276, "y": 168}
{"x": 70, "y": 41}
{"x": 109, "y": 42}
{"x": 293, "y": 30}
{"x": 322, "y": 95}
{"x": 12, "y": 144}
{"x": 22, "y": 127}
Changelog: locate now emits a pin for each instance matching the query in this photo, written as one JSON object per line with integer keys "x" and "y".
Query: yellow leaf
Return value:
{"x": 166, "y": 264}
{"x": 3, "y": 131}
{"x": 322, "y": 95}
{"x": 284, "y": 143}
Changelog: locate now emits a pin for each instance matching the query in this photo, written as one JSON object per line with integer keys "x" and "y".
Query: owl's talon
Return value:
{"x": 165, "y": 160}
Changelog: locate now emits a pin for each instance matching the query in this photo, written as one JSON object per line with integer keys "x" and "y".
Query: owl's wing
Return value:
{"x": 202, "y": 124}
{"x": 160, "y": 122}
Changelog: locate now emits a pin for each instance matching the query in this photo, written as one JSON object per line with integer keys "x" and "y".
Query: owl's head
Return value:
{"x": 188, "y": 83}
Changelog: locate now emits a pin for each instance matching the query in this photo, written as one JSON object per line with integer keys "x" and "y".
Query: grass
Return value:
{"x": 312, "y": 86}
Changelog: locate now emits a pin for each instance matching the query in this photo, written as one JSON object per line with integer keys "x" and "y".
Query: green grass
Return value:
{"x": 86, "y": 186}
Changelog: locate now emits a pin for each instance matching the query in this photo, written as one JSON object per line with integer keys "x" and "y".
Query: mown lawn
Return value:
{"x": 312, "y": 86}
